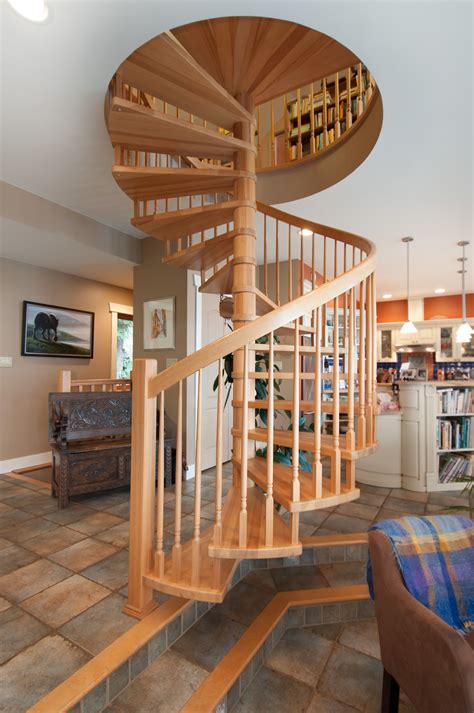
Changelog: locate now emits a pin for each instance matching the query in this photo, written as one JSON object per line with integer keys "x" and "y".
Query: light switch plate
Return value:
{"x": 6, "y": 361}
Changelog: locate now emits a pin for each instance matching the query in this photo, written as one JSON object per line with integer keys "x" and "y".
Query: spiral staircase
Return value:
{"x": 204, "y": 120}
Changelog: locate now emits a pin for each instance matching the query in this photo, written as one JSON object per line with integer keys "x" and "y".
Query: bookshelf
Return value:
{"x": 437, "y": 434}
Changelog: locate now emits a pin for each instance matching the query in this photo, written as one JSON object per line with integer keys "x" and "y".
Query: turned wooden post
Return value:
{"x": 244, "y": 282}
{"x": 142, "y": 490}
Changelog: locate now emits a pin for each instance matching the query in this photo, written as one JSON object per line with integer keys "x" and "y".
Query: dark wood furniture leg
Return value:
{"x": 390, "y": 694}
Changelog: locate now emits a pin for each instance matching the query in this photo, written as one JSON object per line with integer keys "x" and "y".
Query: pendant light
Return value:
{"x": 464, "y": 330}
{"x": 408, "y": 327}
{"x": 34, "y": 10}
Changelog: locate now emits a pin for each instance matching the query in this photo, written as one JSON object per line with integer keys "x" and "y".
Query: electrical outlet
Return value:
{"x": 6, "y": 361}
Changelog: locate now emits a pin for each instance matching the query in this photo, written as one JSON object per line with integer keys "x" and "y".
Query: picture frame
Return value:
{"x": 54, "y": 331}
{"x": 159, "y": 323}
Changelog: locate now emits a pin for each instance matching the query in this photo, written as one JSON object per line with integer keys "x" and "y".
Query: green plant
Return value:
{"x": 469, "y": 489}
{"x": 281, "y": 454}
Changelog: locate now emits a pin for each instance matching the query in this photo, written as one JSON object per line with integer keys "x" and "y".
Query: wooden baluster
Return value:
{"x": 325, "y": 115}
{"x": 265, "y": 256}
{"x": 370, "y": 89}
{"x": 178, "y": 486}
{"x": 296, "y": 420}
{"x": 312, "y": 141}
{"x": 369, "y": 411}
{"x": 337, "y": 121}
{"x": 218, "y": 523}
{"x": 350, "y": 435}
{"x": 196, "y": 546}
{"x": 286, "y": 111}
{"x": 301, "y": 266}
{"x": 160, "y": 497}
{"x": 360, "y": 105}
{"x": 374, "y": 357}
{"x": 325, "y": 272}
{"x": 269, "y": 504}
{"x": 277, "y": 266}
{"x": 272, "y": 135}
{"x": 313, "y": 262}
{"x": 361, "y": 424}
{"x": 259, "y": 138}
{"x": 348, "y": 95}
{"x": 336, "y": 456}
{"x": 317, "y": 466}
{"x": 80, "y": 388}
{"x": 298, "y": 109}
{"x": 289, "y": 268}
{"x": 142, "y": 489}
{"x": 244, "y": 452}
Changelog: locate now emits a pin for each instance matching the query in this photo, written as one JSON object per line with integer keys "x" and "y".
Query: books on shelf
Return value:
{"x": 454, "y": 467}
{"x": 318, "y": 101}
{"x": 453, "y": 401}
{"x": 454, "y": 433}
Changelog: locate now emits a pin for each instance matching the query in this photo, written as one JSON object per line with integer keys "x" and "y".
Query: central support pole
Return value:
{"x": 243, "y": 291}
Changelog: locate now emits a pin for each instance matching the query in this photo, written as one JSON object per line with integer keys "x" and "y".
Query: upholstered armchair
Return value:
{"x": 430, "y": 661}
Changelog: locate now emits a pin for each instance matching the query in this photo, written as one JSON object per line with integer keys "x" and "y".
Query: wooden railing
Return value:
{"x": 351, "y": 283}
{"x": 312, "y": 118}
{"x": 66, "y": 383}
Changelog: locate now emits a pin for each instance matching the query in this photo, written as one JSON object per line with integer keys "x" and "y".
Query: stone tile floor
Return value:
{"x": 63, "y": 577}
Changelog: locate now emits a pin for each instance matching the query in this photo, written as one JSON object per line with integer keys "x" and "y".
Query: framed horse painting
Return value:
{"x": 49, "y": 330}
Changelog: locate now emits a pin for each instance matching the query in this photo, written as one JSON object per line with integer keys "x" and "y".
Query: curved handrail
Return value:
{"x": 279, "y": 317}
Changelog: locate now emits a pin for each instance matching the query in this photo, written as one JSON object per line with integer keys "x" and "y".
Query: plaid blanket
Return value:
{"x": 436, "y": 560}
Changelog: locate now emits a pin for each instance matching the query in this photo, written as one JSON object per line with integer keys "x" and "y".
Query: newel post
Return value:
{"x": 142, "y": 490}
{"x": 63, "y": 381}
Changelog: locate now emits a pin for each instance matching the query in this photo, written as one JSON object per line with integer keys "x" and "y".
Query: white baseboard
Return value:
{"x": 190, "y": 472}
{"x": 6, "y": 466}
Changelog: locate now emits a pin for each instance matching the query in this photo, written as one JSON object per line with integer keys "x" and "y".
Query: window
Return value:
{"x": 124, "y": 352}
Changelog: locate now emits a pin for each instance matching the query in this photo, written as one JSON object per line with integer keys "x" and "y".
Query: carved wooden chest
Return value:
{"x": 90, "y": 442}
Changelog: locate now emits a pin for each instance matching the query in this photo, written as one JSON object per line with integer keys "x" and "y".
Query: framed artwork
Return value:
{"x": 159, "y": 323}
{"x": 49, "y": 330}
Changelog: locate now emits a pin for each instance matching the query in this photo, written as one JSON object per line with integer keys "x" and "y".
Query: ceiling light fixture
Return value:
{"x": 387, "y": 296}
{"x": 306, "y": 231}
{"x": 408, "y": 327}
{"x": 34, "y": 10}
{"x": 464, "y": 330}
{"x": 440, "y": 291}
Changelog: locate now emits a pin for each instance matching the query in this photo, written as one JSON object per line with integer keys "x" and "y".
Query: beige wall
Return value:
{"x": 24, "y": 388}
{"x": 152, "y": 280}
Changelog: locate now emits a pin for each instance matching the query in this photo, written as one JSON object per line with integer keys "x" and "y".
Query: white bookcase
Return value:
{"x": 420, "y": 450}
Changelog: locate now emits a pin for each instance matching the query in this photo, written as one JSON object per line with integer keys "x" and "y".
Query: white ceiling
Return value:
{"x": 418, "y": 180}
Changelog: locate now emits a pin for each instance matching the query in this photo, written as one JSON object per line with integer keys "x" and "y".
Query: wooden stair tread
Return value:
{"x": 221, "y": 282}
{"x": 187, "y": 221}
{"x": 206, "y": 590}
{"x": 264, "y": 304}
{"x": 306, "y": 442}
{"x": 290, "y": 348}
{"x": 205, "y": 254}
{"x": 164, "y": 68}
{"x": 255, "y": 548}
{"x": 150, "y": 182}
{"x": 138, "y": 127}
{"x": 306, "y": 375}
{"x": 304, "y": 406}
{"x": 282, "y": 487}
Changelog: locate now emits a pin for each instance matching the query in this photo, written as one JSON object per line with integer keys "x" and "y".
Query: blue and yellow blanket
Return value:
{"x": 436, "y": 560}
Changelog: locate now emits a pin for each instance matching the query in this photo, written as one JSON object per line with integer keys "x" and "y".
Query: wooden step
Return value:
{"x": 220, "y": 283}
{"x": 214, "y": 577}
{"x": 137, "y": 127}
{"x": 163, "y": 68}
{"x": 304, "y": 406}
{"x": 289, "y": 375}
{"x": 205, "y": 254}
{"x": 290, "y": 348}
{"x": 150, "y": 183}
{"x": 282, "y": 487}
{"x": 187, "y": 221}
{"x": 263, "y": 305}
{"x": 306, "y": 442}
{"x": 255, "y": 547}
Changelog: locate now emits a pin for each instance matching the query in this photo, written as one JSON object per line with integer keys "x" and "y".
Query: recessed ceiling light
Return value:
{"x": 34, "y": 10}
{"x": 440, "y": 291}
{"x": 306, "y": 231}
{"x": 387, "y": 296}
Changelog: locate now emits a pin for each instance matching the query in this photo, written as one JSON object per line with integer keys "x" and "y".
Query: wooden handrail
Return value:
{"x": 273, "y": 320}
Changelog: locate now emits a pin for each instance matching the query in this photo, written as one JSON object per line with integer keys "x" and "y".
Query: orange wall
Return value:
{"x": 448, "y": 306}
{"x": 394, "y": 311}
{"x": 442, "y": 307}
